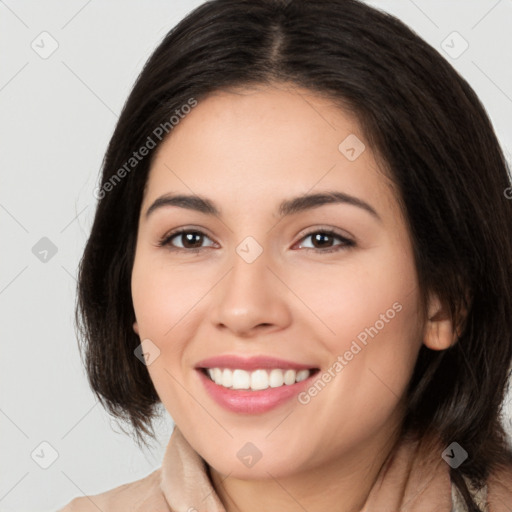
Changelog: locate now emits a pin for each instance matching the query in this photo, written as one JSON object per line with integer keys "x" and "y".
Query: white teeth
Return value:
{"x": 241, "y": 380}
{"x": 276, "y": 378}
{"x": 217, "y": 375}
{"x": 256, "y": 380}
{"x": 259, "y": 379}
{"x": 227, "y": 378}
{"x": 302, "y": 375}
{"x": 289, "y": 377}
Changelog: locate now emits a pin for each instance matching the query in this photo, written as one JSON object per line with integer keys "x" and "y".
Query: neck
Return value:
{"x": 342, "y": 483}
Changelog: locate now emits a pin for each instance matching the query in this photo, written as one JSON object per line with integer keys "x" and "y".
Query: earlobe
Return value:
{"x": 440, "y": 333}
{"x": 135, "y": 328}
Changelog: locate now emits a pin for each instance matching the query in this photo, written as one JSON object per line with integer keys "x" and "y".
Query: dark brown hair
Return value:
{"x": 432, "y": 136}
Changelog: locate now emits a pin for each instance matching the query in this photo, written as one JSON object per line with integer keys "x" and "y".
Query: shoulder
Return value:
{"x": 496, "y": 492}
{"x": 140, "y": 495}
{"x": 500, "y": 485}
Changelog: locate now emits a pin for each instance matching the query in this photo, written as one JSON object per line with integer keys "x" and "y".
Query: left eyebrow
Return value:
{"x": 301, "y": 203}
{"x": 287, "y": 207}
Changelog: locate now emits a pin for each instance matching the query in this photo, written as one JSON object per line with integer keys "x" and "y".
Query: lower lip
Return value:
{"x": 253, "y": 402}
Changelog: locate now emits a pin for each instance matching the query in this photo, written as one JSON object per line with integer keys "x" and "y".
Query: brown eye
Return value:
{"x": 191, "y": 240}
{"x": 323, "y": 239}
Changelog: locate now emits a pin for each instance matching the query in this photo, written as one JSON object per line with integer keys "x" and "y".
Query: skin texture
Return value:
{"x": 247, "y": 150}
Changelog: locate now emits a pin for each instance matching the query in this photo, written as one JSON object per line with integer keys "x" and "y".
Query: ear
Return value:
{"x": 135, "y": 328}
{"x": 440, "y": 332}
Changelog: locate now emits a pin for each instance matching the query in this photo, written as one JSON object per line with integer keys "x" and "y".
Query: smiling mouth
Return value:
{"x": 257, "y": 380}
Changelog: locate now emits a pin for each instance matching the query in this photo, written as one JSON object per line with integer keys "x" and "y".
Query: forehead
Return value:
{"x": 246, "y": 145}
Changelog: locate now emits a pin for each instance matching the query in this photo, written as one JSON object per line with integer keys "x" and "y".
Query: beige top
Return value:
{"x": 182, "y": 484}
{"x": 480, "y": 498}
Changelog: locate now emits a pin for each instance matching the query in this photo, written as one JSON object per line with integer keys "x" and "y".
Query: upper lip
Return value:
{"x": 250, "y": 363}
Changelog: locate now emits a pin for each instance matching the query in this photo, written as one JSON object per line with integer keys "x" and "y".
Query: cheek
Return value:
{"x": 163, "y": 301}
{"x": 372, "y": 342}
{"x": 163, "y": 295}
{"x": 375, "y": 317}
{"x": 370, "y": 308}
{"x": 370, "y": 295}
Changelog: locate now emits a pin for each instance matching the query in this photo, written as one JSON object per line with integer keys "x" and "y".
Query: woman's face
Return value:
{"x": 260, "y": 280}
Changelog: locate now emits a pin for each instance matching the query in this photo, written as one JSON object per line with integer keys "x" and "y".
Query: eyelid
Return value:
{"x": 346, "y": 241}
{"x": 169, "y": 235}
{"x": 326, "y": 229}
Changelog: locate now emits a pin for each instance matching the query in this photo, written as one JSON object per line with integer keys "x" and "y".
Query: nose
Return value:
{"x": 252, "y": 297}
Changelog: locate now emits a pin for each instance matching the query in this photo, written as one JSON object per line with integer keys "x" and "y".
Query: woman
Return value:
{"x": 302, "y": 249}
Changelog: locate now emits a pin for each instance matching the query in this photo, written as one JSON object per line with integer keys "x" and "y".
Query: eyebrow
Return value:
{"x": 286, "y": 208}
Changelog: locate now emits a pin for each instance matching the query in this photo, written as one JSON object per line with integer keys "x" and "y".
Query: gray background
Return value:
{"x": 57, "y": 113}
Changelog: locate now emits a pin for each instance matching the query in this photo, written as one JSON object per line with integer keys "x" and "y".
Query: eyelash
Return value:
{"x": 165, "y": 241}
